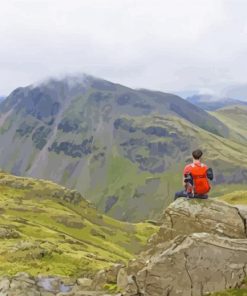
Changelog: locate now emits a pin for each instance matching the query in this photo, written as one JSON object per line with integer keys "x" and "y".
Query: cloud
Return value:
{"x": 171, "y": 45}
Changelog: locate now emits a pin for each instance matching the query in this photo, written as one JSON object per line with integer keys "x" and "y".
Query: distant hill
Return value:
{"x": 235, "y": 117}
{"x": 238, "y": 91}
{"x": 209, "y": 103}
{"x": 123, "y": 149}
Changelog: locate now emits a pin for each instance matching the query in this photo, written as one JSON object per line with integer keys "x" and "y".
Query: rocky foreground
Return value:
{"x": 200, "y": 248}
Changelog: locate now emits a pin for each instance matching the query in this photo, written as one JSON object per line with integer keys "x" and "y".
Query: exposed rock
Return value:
{"x": 110, "y": 202}
{"x": 193, "y": 265}
{"x": 7, "y": 232}
{"x": 132, "y": 287}
{"x": 194, "y": 215}
{"x": 24, "y": 285}
{"x": 106, "y": 276}
{"x": 84, "y": 283}
{"x": 201, "y": 247}
{"x": 112, "y": 273}
{"x": 122, "y": 279}
{"x": 243, "y": 213}
{"x": 99, "y": 280}
{"x": 4, "y": 286}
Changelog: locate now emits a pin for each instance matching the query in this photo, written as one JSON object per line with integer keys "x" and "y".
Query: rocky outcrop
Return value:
{"x": 106, "y": 276}
{"x": 24, "y": 285}
{"x": 242, "y": 210}
{"x": 189, "y": 216}
{"x": 7, "y": 233}
{"x": 193, "y": 265}
{"x": 201, "y": 247}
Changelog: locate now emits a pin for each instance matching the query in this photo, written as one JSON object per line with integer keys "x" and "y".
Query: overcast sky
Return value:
{"x": 170, "y": 45}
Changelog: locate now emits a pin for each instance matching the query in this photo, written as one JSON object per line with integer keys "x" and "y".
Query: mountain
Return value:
{"x": 211, "y": 103}
{"x": 1, "y": 98}
{"x": 235, "y": 117}
{"x": 50, "y": 230}
{"x": 123, "y": 149}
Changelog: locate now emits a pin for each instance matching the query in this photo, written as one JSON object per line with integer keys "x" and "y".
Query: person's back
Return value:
{"x": 195, "y": 178}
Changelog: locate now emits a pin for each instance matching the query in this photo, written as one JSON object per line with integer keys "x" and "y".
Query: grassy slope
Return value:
{"x": 124, "y": 178}
{"x": 235, "y": 118}
{"x": 236, "y": 197}
{"x": 52, "y": 230}
{"x": 234, "y": 292}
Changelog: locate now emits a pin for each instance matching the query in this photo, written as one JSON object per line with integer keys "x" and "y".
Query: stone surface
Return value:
{"x": 201, "y": 247}
{"x": 84, "y": 282}
{"x": 4, "y": 286}
{"x": 243, "y": 213}
{"x": 122, "y": 279}
{"x": 190, "y": 216}
{"x": 24, "y": 285}
{"x": 193, "y": 265}
{"x": 106, "y": 276}
{"x": 8, "y": 233}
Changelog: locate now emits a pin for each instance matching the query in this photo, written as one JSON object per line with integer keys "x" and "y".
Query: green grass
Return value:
{"x": 233, "y": 292}
{"x": 236, "y": 197}
{"x": 141, "y": 194}
{"x": 235, "y": 118}
{"x": 59, "y": 232}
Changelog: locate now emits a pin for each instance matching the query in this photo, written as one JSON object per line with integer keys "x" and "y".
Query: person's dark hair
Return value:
{"x": 197, "y": 154}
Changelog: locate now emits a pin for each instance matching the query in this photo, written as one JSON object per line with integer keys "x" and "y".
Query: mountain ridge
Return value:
{"x": 212, "y": 103}
{"x": 116, "y": 145}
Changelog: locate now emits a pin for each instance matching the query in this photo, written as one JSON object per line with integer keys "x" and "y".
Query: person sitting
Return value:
{"x": 195, "y": 178}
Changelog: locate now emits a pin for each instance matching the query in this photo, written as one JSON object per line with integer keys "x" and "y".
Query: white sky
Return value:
{"x": 170, "y": 45}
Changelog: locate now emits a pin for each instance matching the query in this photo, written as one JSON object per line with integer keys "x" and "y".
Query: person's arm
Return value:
{"x": 210, "y": 174}
{"x": 185, "y": 172}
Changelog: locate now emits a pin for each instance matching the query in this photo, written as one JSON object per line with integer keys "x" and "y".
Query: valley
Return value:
{"x": 122, "y": 149}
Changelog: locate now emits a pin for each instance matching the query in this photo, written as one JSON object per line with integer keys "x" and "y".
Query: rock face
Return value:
{"x": 243, "y": 213}
{"x": 7, "y": 233}
{"x": 201, "y": 247}
{"x": 194, "y": 265}
{"x": 190, "y": 216}
{"x": 24, "y": 285}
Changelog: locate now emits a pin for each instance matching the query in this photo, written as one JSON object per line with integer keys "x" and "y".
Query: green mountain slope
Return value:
{"x": 48, "y": 229}
{"x": 235, "y": 117}
{"x": 123, "y": 149}
{"x": 236, "y": 197}
{"x": 148, "y": 192}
